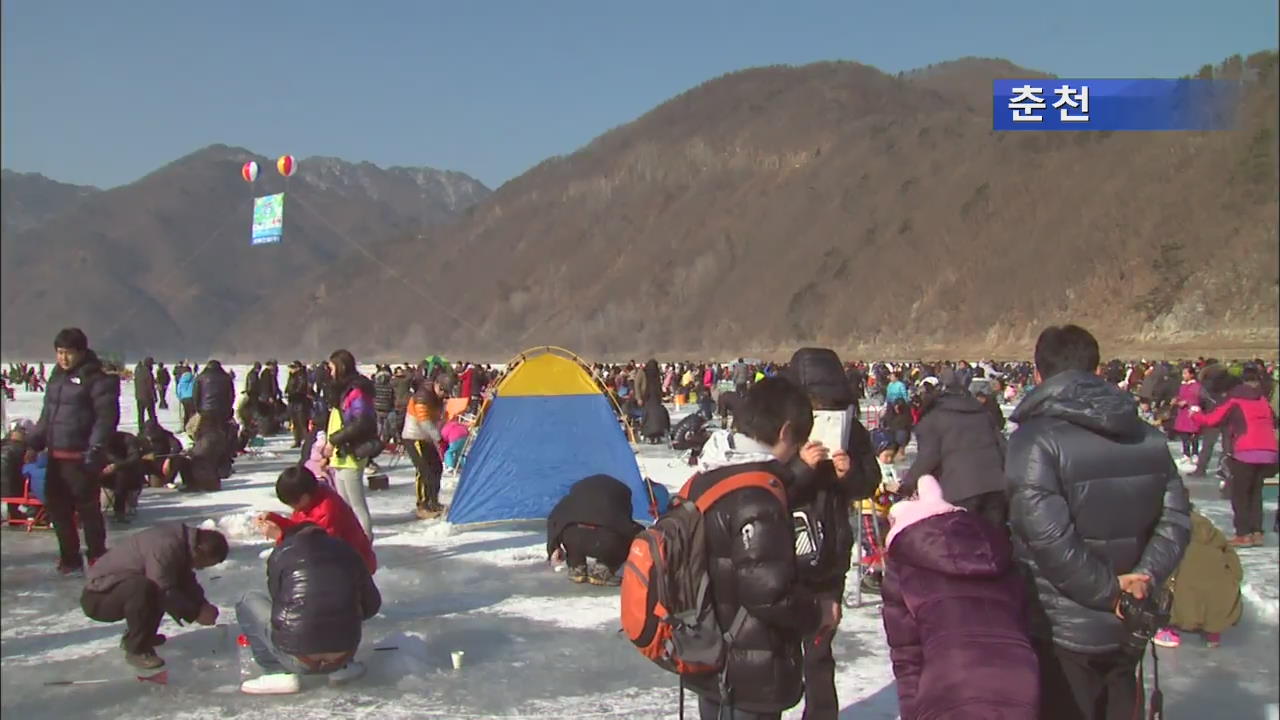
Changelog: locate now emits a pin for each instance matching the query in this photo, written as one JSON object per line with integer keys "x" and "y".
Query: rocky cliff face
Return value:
{"x": 836, "y": 205}
{"x": 164, "y": 265}
{"x": 28, "y": 199}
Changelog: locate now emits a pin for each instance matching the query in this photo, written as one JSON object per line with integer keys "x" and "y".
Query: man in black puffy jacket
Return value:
{"x": 215, "y": 396}
{"x": 81, "y": 411}
{"x": 820, "y": 497}
{"x": 957, "y": 443}
{"x": 320, "y": 594}
{"x": 1097, "y": 509}
{"x": 215, "y": 393}
{"x": 751, "y": 559}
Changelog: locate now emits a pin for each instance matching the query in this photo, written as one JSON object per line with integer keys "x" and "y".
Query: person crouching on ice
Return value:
{"x": 955, "y": 615}
{"x": 593, "y": 520}
{"x": 321, "y": 594}
{"x": 148, "y": 574}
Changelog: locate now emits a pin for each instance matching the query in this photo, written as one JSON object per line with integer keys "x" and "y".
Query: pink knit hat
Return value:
{"x": 927, "y": 502}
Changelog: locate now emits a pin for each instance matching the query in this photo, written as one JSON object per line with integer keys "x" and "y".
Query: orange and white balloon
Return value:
{"x": 249, "y": 172}
{"x": 286, "y": 165}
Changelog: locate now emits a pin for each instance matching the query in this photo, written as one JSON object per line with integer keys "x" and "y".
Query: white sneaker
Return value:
{"x": 351, "y": 671}
{"x": 272, "y": 684}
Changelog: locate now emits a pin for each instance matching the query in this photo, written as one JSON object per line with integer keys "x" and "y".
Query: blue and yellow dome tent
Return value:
{"x": 549, "y": 424}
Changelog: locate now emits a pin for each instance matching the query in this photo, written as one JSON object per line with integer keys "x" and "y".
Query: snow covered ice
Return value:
{"x": 536, "y": 645}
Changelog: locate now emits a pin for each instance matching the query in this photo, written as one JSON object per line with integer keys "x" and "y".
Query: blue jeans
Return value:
{"x": 453, "y": 455}
{"x": 253, "y": 612}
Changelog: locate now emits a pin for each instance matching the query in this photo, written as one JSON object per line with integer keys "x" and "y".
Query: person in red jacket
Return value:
{"x": 312, "y": 502}
{"x": 1251, "y": 425}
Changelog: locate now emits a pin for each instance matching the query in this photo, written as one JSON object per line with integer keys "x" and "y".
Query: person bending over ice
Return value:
{"x": 310, "y": 624}
{"x": 593, "y": 520}
{"x": 148, "y": 574}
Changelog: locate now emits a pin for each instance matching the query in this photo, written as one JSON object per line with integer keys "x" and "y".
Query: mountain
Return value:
{"x": 837, "y": 205}
{"x": 164, "y": 265}
{"x": 28, "y": 199}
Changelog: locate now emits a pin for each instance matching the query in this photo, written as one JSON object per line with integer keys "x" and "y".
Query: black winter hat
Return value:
{"x": 71, "y": 339}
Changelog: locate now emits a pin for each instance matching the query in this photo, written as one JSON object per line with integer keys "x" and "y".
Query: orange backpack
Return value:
{"x": 667, "y": 610}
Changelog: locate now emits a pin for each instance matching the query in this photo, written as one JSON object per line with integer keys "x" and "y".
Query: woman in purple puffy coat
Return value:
{"x": 955, "y": 615}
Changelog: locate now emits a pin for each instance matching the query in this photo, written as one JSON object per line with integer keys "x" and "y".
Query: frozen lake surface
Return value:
{"x": 536, "y": 645}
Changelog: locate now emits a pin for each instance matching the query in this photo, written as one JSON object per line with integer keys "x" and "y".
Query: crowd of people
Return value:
{"x": 1008, "y": 590}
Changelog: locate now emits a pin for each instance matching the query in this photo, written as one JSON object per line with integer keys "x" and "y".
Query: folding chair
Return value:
{"x": 455, "y": 407}
{"x": 394, "y": 453}
{"x": 36, "y": 515}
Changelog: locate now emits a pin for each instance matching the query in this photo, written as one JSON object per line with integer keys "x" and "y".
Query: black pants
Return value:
{"x": 231, "y": 434}
{"x": 71, "y": 488}
{"x": 1191, "y": 444}
{"x": 426, "y": 461}
{"x": 711, "y": 710}
{"x": 1077, "y": 686}
{"x": 156, "y": 468}
{"x": 382, "y": 425}
{"x": 603, "y": 544}
{"x": 136, "y": 600}
{"x": 395, "y": 423}
{"x": 162, "y": 392}
{"x": 1208, "y": 438}
{"x": 123, "y": 488}
{"x": 299, "y": 416}
{"x": 1246, "y": 495}
{"x": 820, "y": 700}
{"x": 180, "y": 468}
{"x": 146, "y": 409}
{"x": 993, "y": 506}
{"x": 188, "y": 409}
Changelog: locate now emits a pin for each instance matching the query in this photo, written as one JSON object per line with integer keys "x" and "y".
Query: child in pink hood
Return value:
{"x": 955, "y": 615}
{"x": 1187, "y": 402}
{"x": 318, "y": 462}
{"x": 454, "y": 436}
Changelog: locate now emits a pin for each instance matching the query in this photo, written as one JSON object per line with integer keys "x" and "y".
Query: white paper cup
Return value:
{"x": 456, "y": 656}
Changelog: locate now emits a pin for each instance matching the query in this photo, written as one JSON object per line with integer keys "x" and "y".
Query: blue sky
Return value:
{"x": 103, "y": 92}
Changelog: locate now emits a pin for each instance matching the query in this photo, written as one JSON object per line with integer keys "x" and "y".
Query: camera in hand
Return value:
{"x": 1142, "y": 619}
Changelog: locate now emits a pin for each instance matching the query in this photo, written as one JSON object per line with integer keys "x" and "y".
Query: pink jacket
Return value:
{"x": 1189, "y": 393}
{"x": 453, "y": 430}
{"x": 1249, "y": 420}
{"x": 315, "y": 462}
